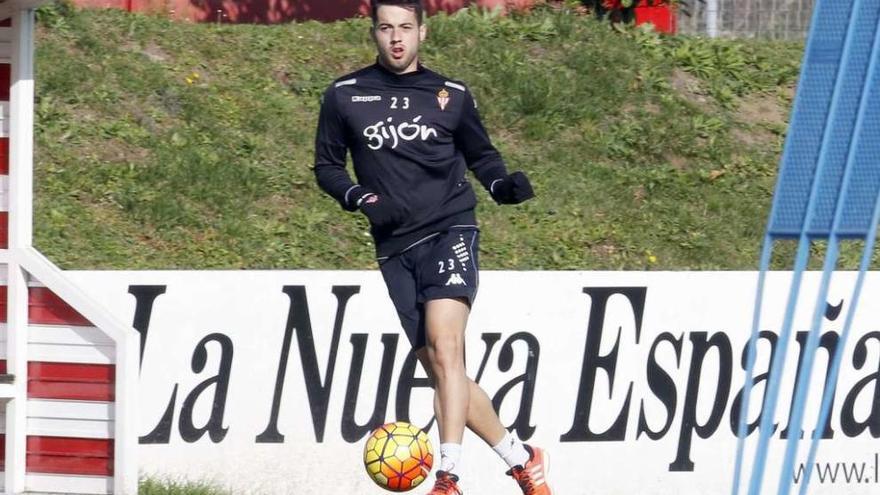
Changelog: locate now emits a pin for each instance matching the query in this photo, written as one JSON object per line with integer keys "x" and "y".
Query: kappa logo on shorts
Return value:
{"x": 455, "y": 279}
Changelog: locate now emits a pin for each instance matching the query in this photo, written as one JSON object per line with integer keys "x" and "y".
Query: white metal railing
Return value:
{"x": 776, "y": 19}
{"x": 24, "y": 264}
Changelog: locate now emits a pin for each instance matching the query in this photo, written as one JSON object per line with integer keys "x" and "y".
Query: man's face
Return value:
{"x": 397, "y": 34}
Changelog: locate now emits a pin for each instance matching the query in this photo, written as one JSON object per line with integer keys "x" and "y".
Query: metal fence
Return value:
{"x": 777, "y": 19}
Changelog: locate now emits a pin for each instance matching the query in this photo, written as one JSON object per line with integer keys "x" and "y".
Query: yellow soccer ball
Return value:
{"x": 398, "y": 456}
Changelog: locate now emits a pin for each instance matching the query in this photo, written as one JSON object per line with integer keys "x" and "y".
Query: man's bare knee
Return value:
{"x": 445, "y": 340}
{"x": 445, "y": 325}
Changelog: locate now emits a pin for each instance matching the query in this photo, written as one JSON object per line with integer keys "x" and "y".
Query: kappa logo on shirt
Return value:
{"x": 455, "y": 279}
{"x": 365, "y": 99}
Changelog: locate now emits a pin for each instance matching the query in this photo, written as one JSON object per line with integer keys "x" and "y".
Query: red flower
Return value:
{"x": 619, "y": 4}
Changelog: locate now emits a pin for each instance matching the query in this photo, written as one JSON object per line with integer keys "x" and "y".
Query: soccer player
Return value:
{"x": 413, "y": 134}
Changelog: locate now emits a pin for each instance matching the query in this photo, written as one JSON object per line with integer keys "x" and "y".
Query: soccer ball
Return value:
{"x": 398, "y": 456}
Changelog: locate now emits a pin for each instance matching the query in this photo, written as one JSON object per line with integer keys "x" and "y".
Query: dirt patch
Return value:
{"x": 155, "y": 53}
{"x": 743, "y": 136}
{"x": 761, "y": 116}
{"x": 652, "y": 108}
{"x": 677, "y": 162}
{"x": 538, "y": 52}
{"x": 639, "y": 194}
{"x": 762, "y": 108}
{"x": 648, "y": 107}
{"x": 283, "y": 77}
{"x": 689, "y": 88}
{"x": 753, "y": 136}
{"x": 787, "y": 94}
{"x": 115, "y": 151}
{"x": 604, "y": 250}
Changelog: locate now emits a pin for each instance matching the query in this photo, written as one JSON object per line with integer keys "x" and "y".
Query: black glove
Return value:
{"x": 383, "y": 212}
{"x": 513, "y": 189}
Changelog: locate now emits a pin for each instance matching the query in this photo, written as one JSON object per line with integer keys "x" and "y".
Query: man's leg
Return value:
{"x": 447, "y": 280}
{"x": 460, "y": 402}
{"x": 445, "y": 321}
{"x": 481, "y": 416}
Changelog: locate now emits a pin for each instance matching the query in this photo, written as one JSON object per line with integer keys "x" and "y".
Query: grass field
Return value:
{"x": 160, "y": 487}
{"x": 172, "y": 145}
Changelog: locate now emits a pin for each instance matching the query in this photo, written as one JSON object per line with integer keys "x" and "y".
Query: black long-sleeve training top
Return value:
{"x": 412, "y": 138}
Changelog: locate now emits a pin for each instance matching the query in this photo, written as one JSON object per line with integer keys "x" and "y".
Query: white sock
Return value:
{"x": 512, "y": 451}
{"x": 450, "y": 454}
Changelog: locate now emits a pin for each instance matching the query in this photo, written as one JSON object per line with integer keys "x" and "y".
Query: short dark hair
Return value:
{"x": 415, "y": 5}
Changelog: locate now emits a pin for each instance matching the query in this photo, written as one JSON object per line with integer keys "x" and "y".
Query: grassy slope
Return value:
{"x": 171, "y": 487}
{"x": 165, "y": 145}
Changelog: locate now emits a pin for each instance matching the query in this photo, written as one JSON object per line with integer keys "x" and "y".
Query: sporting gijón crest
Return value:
{"x": 443, "y": 98}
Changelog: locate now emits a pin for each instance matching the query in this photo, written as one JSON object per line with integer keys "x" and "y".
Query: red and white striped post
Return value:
{"x": 68, "y": 370}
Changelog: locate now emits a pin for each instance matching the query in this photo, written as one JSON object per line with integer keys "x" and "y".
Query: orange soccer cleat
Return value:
{"x": 532, "y": 477}
{"x": 446, "y": 484}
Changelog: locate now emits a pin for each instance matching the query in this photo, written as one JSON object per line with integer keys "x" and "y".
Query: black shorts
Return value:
{"x": 440, "y": 267}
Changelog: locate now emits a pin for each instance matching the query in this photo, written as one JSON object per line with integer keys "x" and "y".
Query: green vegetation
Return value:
{"x": 155, "y": 487}
{"x": 171, "y": 145}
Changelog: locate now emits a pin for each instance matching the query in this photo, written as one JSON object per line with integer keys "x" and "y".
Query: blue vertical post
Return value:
{"x": 827, "y": 189}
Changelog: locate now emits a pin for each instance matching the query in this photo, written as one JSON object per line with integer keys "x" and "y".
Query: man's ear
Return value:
{"x": 423, "y": 31}
{"x": 373, "y": 32}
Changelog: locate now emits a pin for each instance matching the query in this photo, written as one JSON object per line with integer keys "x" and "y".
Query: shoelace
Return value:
{"x": 446, "y": 483}
{"x": 525, "y": 480}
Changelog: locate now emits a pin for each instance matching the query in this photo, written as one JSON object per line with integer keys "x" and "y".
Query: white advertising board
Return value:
{"x": 267, "y": 382}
